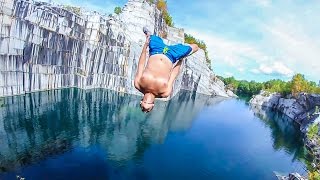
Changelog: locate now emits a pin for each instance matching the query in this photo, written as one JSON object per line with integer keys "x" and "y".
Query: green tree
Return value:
{"x": 244, "y": 88}
{"x": 279, "y": 86}
{"x": 314, "y": 175}
{"x": 313, "y": 131}
{"x": 117, "y": 10}
{"x": 168, "y": 19}
{"x": 299, "y": 84}
{"x": 295, "y": 86}
{"x": 151, "y": 1}
{"x": 162, "y": 6}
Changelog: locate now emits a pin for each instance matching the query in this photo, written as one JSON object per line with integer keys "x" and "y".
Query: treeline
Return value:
{"x": 296, "y": 85}
{"x": 192, "y": 40}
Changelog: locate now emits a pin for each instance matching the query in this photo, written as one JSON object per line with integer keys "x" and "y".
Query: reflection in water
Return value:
{"x": 38, "y": 125}
{"x": 284, "y": 132}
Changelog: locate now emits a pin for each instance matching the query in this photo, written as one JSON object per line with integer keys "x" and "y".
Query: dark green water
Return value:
{"x": 98, "y": 134}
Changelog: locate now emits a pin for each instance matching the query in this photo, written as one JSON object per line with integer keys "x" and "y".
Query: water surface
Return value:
{"x": 99, "y": 134}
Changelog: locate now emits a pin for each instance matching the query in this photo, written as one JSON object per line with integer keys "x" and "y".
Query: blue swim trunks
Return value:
{"x": 174, "y": 52}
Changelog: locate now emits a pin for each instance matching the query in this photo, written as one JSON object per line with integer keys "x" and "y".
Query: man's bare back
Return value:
{"x": 156, "y": 79}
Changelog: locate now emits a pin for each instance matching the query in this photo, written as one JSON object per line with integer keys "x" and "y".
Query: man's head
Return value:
{"x": 147, "y": 102}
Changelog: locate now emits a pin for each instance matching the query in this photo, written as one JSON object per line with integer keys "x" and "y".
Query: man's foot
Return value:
{"x": 146, "y": 31}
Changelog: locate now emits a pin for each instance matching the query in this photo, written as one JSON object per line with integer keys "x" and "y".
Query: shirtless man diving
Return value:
{"x": 156, "y": 79}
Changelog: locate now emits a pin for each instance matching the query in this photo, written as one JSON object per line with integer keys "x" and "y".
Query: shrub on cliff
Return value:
{"x": 168, "y": 19}
{"x": 314, "y": 175}
{"x": 162, "y": 6}
{"x": 117, "y": 10}
{"x": 151, "y": 1}
{"x": 313, "y": 131}
{"x": 76, "y": 10}
{"x": 192, "y": 40}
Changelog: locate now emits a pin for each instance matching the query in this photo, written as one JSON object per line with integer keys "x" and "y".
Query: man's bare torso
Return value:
{"x": 156, "y": 75}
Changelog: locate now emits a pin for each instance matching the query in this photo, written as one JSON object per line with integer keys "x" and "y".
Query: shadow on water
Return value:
{"x": 285, "y": 132}
{"x": 40, "y": 125}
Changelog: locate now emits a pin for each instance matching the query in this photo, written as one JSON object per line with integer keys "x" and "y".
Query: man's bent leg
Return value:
{"x": 156, "y": 45}
{"x": 194, "y": 47}
{"x": 179, "y": 51}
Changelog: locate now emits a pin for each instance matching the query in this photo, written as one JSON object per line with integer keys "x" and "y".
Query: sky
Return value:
{"x": 248, "y": 39}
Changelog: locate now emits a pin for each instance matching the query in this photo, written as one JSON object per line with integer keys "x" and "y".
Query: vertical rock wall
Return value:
{"x": 46, "y": 47}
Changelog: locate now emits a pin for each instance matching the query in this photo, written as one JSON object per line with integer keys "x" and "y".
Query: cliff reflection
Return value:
{"x": 284, "y": 132}
{"x": 38, "y": 125}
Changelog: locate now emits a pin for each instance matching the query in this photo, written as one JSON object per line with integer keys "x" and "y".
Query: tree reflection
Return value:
{"x": 284, "y": 132}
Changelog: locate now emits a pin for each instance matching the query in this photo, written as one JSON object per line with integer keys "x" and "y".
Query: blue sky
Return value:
{"x": 249, "y": 39}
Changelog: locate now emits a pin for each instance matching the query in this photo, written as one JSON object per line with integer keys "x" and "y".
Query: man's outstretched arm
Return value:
{"x": 141, "y": 63}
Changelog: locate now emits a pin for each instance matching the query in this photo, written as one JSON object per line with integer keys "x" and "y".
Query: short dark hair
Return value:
{"x": 143, "y": 109}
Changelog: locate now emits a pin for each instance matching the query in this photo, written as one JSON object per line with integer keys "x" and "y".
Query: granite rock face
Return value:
{"x": 266, "y": 100}
{"x": 45, "y": 47}
{"x": 292, "y": 176}
{"x": 302, "y": 109}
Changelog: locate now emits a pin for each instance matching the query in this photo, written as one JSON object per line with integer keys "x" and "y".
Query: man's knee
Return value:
{"x": 194, "y": 47}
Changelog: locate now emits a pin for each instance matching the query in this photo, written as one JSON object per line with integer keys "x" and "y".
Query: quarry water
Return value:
{"x": 99, "y": 134}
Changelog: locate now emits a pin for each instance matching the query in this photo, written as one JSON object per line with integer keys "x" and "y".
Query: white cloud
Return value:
{"x": 282, "y": 37}
{"x": 277, "y": 68}
{"x": 286, "y": 40}
{"x": 274, "y": 68}
{"x": 294, "y": 46}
